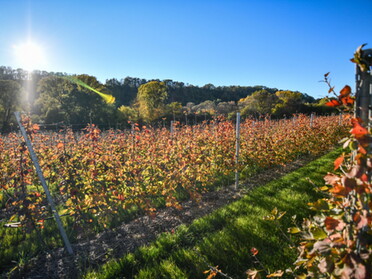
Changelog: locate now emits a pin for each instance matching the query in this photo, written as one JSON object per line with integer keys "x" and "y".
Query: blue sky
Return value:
{"x": 283, "y": 44}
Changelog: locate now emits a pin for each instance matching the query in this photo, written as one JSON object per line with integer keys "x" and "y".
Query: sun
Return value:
{"x": 29, "y": 55}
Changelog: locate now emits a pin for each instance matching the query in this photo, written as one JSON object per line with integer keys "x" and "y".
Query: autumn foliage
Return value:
{"x": 337, "y": 242}
{"x": 95, "y": 175}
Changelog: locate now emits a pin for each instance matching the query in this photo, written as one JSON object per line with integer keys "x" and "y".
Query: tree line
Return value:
{"x": 49, "y": 98}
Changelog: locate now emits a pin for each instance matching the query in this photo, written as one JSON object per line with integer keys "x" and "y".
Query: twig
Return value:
{"x": 211, "y": 267}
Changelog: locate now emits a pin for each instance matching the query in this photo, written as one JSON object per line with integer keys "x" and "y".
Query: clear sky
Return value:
{"x": 285, "y": 44}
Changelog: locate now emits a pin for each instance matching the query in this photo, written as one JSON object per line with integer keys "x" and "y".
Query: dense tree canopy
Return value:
{"x": 151, "y": 100}
{"x": 10, "y": 92}
{"x": 53, "y": 99}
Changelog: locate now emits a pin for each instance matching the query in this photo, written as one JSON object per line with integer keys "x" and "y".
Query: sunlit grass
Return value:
{"x": 225, "y": 237}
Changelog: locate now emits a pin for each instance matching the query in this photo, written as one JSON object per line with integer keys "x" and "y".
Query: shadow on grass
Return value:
{"x": 225, "y": 237}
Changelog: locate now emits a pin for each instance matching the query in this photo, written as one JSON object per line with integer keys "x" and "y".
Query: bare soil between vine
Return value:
{"x": 129, "y": 236}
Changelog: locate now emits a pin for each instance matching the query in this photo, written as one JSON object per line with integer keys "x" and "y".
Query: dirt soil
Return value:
{"x": 141, "y": 231}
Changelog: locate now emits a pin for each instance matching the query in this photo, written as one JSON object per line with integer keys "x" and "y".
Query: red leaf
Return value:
{"x": 254, "y": 251}
{"x": 356, "y": 120}
{"x": 349, "y": 183}
{"x": 345, "y": 91}
{"x": 364, "y": 177}
{"x": 331, "y": 223}
{"x": 333, "y": 103}
{"x": 337, "y": 163}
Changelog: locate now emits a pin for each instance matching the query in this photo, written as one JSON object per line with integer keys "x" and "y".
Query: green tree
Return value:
{"x": 63, "y": 100}
{"x": 126, "y": 113}
{"x": 56, "y": 101}
{"x": 10, "y": 92}
{"x": 151, "y": 100}
{"x": 174, "y": 109}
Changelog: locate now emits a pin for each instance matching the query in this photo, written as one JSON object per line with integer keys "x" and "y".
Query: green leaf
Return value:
{"x": 318, "y": 233}
{"x": 13, "y": 217}
{"x": 319, "y": 205}
{"x": 294, "y": 230}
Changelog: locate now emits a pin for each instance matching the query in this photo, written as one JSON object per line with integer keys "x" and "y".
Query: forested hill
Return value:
{"x": 51, "y": 99}
{"x": 125, "y": 89}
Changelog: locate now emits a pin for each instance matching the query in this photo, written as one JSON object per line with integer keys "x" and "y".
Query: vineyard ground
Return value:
{"x": 171, "y": 251}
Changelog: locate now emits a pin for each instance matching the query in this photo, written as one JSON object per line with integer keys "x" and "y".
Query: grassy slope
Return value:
{"x": 225, "y": 237}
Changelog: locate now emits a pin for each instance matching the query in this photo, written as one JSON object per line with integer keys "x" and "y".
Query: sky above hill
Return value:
{"x": 287, "y": 44}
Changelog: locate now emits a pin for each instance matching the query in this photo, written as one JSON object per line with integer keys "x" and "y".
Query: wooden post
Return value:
{"x": 363, "y": 82}
{"x": 43, "y": 183}
{"x": 237, "y": 149}
{"x": 312, "y": 120}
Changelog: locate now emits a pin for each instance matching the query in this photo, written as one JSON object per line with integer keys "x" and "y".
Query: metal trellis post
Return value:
{"x": 363, "y": 82}
{"x": 43, "y": 183}
{"x": 237, "y": 149}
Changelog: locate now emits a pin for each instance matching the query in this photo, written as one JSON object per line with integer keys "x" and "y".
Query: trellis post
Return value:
{"x": 237, "y": 149}
{"x": 43, "y": 183}
{"x": 311, "y": 120}
{"x": 363, "y": 81}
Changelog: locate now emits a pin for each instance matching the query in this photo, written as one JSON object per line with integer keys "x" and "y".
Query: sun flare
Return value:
{"x": 29, "y": 56}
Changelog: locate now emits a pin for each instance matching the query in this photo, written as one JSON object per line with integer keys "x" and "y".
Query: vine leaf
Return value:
{"x": 337, "y": 163}
{"x": 333, "y": 103}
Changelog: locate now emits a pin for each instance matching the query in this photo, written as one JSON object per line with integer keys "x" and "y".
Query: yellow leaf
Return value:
{"x": 277, "y": 273}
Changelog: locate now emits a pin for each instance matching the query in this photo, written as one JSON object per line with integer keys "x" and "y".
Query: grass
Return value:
{"x": 225, "y": 237}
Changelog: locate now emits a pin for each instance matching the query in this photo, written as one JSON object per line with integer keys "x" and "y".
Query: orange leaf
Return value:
{"x": 362, "y": 150}
{"x": 345, "y": 91}
{"x": 60, "y": 145}
{"x": 333, "y": 103}
{"x": 339, "y": 190}
{"x": 347, "y": 100}
{"x": 35, "y": 127}
{"x": 358, "y": 131}
{"x": 337, "y": 163}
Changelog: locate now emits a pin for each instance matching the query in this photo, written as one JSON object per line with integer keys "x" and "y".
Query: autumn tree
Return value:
{"x": 151, "y": 99}
{"x": 259, "y": 103}
{"x": 289, "y": 102}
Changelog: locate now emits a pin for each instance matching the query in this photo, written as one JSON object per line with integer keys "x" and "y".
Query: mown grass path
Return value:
{"x": 225, "y": 237}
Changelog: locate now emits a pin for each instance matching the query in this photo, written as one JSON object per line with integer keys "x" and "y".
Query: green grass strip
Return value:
{"x": 225, "y": 237}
